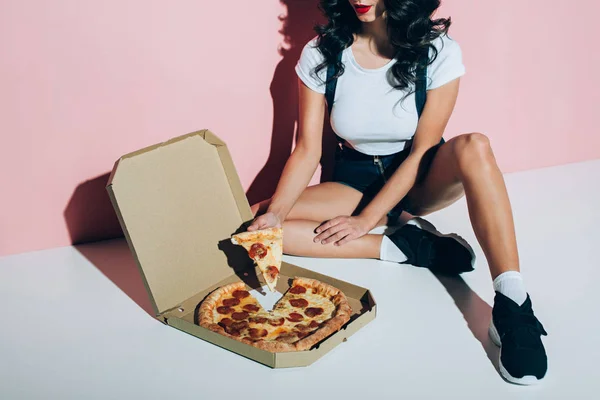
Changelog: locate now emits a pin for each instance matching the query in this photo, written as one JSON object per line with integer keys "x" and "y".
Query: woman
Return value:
{"x": 382, "y": 57}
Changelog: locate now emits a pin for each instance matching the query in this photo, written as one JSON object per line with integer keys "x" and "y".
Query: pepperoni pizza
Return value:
{"x": 308, "y": 312}
{"x": 265, "y": 247}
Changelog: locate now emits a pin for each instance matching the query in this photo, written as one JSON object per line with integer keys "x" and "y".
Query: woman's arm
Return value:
{"x": 303, "y": 162}
{"x": 438, "y": 109}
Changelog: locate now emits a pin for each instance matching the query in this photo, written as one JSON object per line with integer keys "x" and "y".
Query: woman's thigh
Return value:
{"x": 325, "y": 201}
{"x": 441, "y": 185}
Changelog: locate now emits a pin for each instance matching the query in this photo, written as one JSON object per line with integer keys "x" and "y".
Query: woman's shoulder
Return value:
{"x": 310, "y": 58}
{"x": 311, "y": 50}
{"x": 445, "y": 44}
{"x": 447, "y": 63}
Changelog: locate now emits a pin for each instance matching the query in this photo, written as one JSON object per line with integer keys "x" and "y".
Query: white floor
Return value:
{"x": 70, "y": 331}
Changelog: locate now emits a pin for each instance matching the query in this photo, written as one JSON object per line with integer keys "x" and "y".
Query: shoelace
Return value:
{"x": 522, "y": 328}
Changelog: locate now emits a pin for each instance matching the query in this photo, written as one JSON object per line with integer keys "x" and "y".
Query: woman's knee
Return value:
{"x": 473, "y": 150}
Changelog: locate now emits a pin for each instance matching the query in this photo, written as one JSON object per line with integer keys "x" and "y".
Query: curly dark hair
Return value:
{"x": 411, "y": 30}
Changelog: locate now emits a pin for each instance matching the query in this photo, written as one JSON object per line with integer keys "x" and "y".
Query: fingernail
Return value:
{"x": 323, "y": 242}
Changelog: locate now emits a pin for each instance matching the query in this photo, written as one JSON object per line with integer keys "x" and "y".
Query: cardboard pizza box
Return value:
{"x": 178, "y": 203}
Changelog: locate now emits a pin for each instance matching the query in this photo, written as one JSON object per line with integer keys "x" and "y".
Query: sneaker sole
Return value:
{"x": 526, "y": 380}
{"x": 429, "y": 227}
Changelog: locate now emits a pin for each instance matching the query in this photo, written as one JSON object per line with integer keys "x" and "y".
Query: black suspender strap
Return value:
{"x": 420, "y": 86}
{"x": 331, "y": 83}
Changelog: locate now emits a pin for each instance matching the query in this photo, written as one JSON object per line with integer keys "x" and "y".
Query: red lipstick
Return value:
{"x": 362, "y": 9}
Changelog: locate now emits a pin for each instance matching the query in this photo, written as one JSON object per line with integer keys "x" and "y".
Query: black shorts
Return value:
{"x": 368, "y": 174}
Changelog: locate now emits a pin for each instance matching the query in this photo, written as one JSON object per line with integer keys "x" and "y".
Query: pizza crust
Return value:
{"x": 206, "y": 312}
{"x": 342, "y": 314}
{"x": 343, "y": 311}
{"x": 268, "y": 234}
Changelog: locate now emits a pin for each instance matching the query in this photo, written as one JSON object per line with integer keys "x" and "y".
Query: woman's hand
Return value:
{"x": 342, "y": 230}
{"x": 265, "y": 221}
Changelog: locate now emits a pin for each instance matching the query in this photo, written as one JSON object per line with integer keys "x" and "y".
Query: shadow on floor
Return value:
{"x": 114, "y": 259}
{"x": 476, "y": 312}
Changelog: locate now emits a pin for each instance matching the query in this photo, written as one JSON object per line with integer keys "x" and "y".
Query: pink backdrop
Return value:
{"x": 85, "y": 82}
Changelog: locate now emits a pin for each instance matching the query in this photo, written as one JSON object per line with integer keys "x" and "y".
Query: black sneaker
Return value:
{"x": 425, "y": 247}
{"x": 518, "y": 333}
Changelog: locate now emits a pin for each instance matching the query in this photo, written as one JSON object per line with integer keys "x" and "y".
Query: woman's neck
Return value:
{"x": 375, "y": 36}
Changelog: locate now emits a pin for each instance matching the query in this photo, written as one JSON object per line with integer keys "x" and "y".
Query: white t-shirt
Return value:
{"x": 367, "y": 111}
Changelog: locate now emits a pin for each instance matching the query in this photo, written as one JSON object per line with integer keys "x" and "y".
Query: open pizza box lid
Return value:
{"x": 178, "y": 203}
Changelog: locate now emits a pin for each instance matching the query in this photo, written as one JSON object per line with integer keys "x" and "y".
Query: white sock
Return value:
{"x": 511, "y": 285}
{"x": 390, "y": 252}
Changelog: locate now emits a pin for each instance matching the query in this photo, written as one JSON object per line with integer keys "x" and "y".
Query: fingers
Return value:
{"x": 259, "y": 223}
{"x": 327, "y": 230}
{"x": 329, "y": 224}
{"x": 337, "y": 237}
{"x": 348, "y": 238}
{"x": 265, "y": 221}
{"x": 334, "y": 234}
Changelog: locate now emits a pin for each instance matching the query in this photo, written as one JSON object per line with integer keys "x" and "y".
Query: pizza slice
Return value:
{"x": 265, "y": 247}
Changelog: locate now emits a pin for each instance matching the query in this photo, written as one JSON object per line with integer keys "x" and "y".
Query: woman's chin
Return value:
{"x": 366, "y": 18}
{"x": 369, "y": 17}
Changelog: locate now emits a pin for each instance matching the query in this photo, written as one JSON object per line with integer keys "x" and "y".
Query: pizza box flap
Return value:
{"x": 178, "y": 203}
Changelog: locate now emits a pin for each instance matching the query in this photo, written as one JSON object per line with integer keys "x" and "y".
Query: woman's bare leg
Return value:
{"x": 316, "y": 205}
{"x": 298, "y": 241}
{"x": 466, "y": 164}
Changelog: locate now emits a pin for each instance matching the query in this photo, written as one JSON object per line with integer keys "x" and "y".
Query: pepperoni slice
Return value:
{"x": 238, "y": 326}
{"x": 251, "y": 307}
{"x": 287, "y": 337}
{"x": 258, "y": 320}
{"x": 233, "y": 332}
{"x": 225, "y": 322}
{"x": 257, "y": 333}
{"x": 257, "y": 251}
{"x": 224, "y": 310}
{"x": 277, "y": 322}
{"x": 238, "y": 316}
{"x": 302, "y": 334}
{"x": 314, "y": 324}
{"x": 272, "y": 273}
{"x": 313, "y": 311}
{"x": 240, "y": 294}
{"x": 300, "y": 303}
{"x": 298, "y": 290}
{"x": 302, "y": 327}
{"x": 231, "y": 302}
{"x": 295, "y": 317}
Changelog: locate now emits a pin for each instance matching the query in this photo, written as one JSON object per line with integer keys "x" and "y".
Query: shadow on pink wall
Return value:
{"x": 297, "y": 30}
{"x": 89, "y": 215}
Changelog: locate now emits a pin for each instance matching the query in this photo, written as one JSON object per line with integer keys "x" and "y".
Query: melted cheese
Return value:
{"x": 282, "y": 309}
